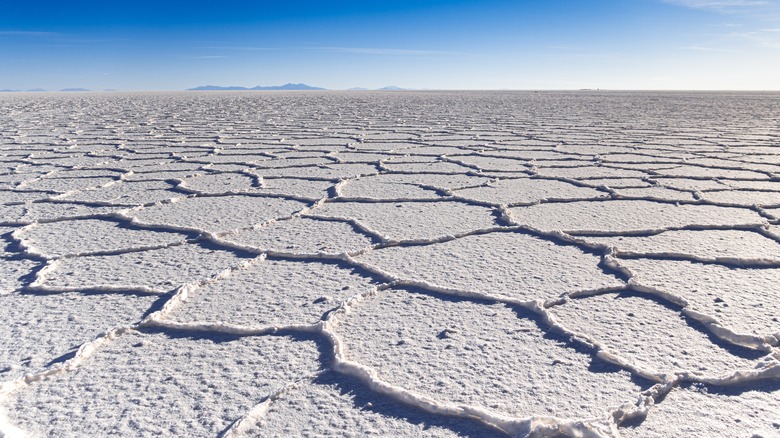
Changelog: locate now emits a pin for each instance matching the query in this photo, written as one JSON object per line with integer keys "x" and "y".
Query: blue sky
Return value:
{"x": 442, "y": 44}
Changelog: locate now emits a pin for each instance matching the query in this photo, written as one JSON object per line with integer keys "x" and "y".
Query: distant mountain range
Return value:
{"x": 289, "y": 87}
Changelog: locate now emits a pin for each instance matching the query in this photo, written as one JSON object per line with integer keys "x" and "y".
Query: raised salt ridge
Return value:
{"x": 378, "y": 264}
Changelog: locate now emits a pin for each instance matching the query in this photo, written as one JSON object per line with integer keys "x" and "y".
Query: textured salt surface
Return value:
{"x": 736, "y": 246}
{"x": 701, "y": 411}
{"x": 414, "y": 264}
{"x": 498, "y": 264}
{"x": 461, "y": 352}
{"x": 273, "y": 293}
{"x": 41, "y": 329}
{"x": 202, "y": 384}
{"x": 81, "y": 237}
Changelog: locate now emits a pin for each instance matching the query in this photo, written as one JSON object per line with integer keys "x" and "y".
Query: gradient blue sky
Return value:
{"x": 443, "y": 44}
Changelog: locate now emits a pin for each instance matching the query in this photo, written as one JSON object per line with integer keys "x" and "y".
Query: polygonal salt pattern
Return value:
{"x": 57, "y": 183}
{"x": 304, "y": 236}
{"x": 274, "y": 293}
{"x": 434, "y": 346}
{"x": 589, "y": 172}
{"x": 412, "y": 220}
{"x": 13, "y": 271}
{"x": 219, "y": 183}
{"x": 83, "y": 236}
{"x": 701, "y": 411}
{"x": 385, "y": 187}
{"x": 528, "y": 191}
{"x": 616, "y": 183}
{"x": 429, "y": 181}
{"x": 692, "y": 184}
{"x": 325, "y": 171}
{"x": 41, "y": 329}
{"x": 218, "y": 214}
{"x": 52, "y": 211}
{"x": 152, "y": 384}
{"x": 741, "y": 299}
{"x": 735, "y": 246}
{"x": 639, "y": 238}
{"x": 330, "y": 409}
{"x": 300, "y": 187}
{"x": 127, "y": 193}
{"x": 157, "y": 270}
{"x": 12, "y": 197}
{"x": 743, "y": 197}
{"x": 607, "y": 216}
{"x": 660, "y": 193}
{"x": 708, "y": 172}
{"x": 492, "y": 164}
{"x": 649, "y": 335}
{"x": 510, "y": 265}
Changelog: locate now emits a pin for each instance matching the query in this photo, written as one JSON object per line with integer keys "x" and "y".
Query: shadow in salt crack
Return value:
{"x": 197, "y": 335}
{"x": 129, "y": 225}
{"x": 739, "y": 389}
{"x": 734, "y": 264}
{"x": 443, "y": 296}
{"x": 367, "y": 400}
{"x": 736, "y": 350}
{"x": 596, "y": 364}
{"x": 15, "y": 252}
{"x": 729, "y": 391}
{"x": 373, "y": 237}
{"x": 215, "y": 246}
{"x": 375, "y": 278}
{"x": 92, "y": 291}
{"x": 7, "y": 242}
{"x": 560, "y": 241}
{"x": 500, "y": 219}
{"x": 65, "y": 357}
{"x": 324, "y": 348}
{"x": 158, "y": 304}
{"x": 29, "y": 278}
{"x": 363, "y": 397}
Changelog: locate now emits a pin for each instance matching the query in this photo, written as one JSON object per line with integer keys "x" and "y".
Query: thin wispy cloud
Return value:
{"x": 208, "y": 57}
{"x": 706, "y": 49}
{"x": 27, "y": 33}
{"x": 564, "y": 48}
{"x": 570, "y": 52}
{"x": 583, "y": 55}
{"x": 240, "y": 48}
{"x": 764, "y": 39}
{"x": 720, "y": 5}
{"x": 745, "y": 8}
{"x": 382, "y": 51}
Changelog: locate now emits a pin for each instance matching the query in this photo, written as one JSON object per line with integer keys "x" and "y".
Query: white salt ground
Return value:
{"x": 475, "y": 264}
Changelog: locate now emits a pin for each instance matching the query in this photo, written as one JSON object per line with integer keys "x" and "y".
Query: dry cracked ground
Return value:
{"x": 390, "y": 264}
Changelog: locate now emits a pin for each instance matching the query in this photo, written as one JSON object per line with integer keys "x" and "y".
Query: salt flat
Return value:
{"x": 390, "y": 264}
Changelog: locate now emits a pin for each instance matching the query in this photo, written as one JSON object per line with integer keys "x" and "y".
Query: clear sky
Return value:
{"x": 442, "y": 44}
